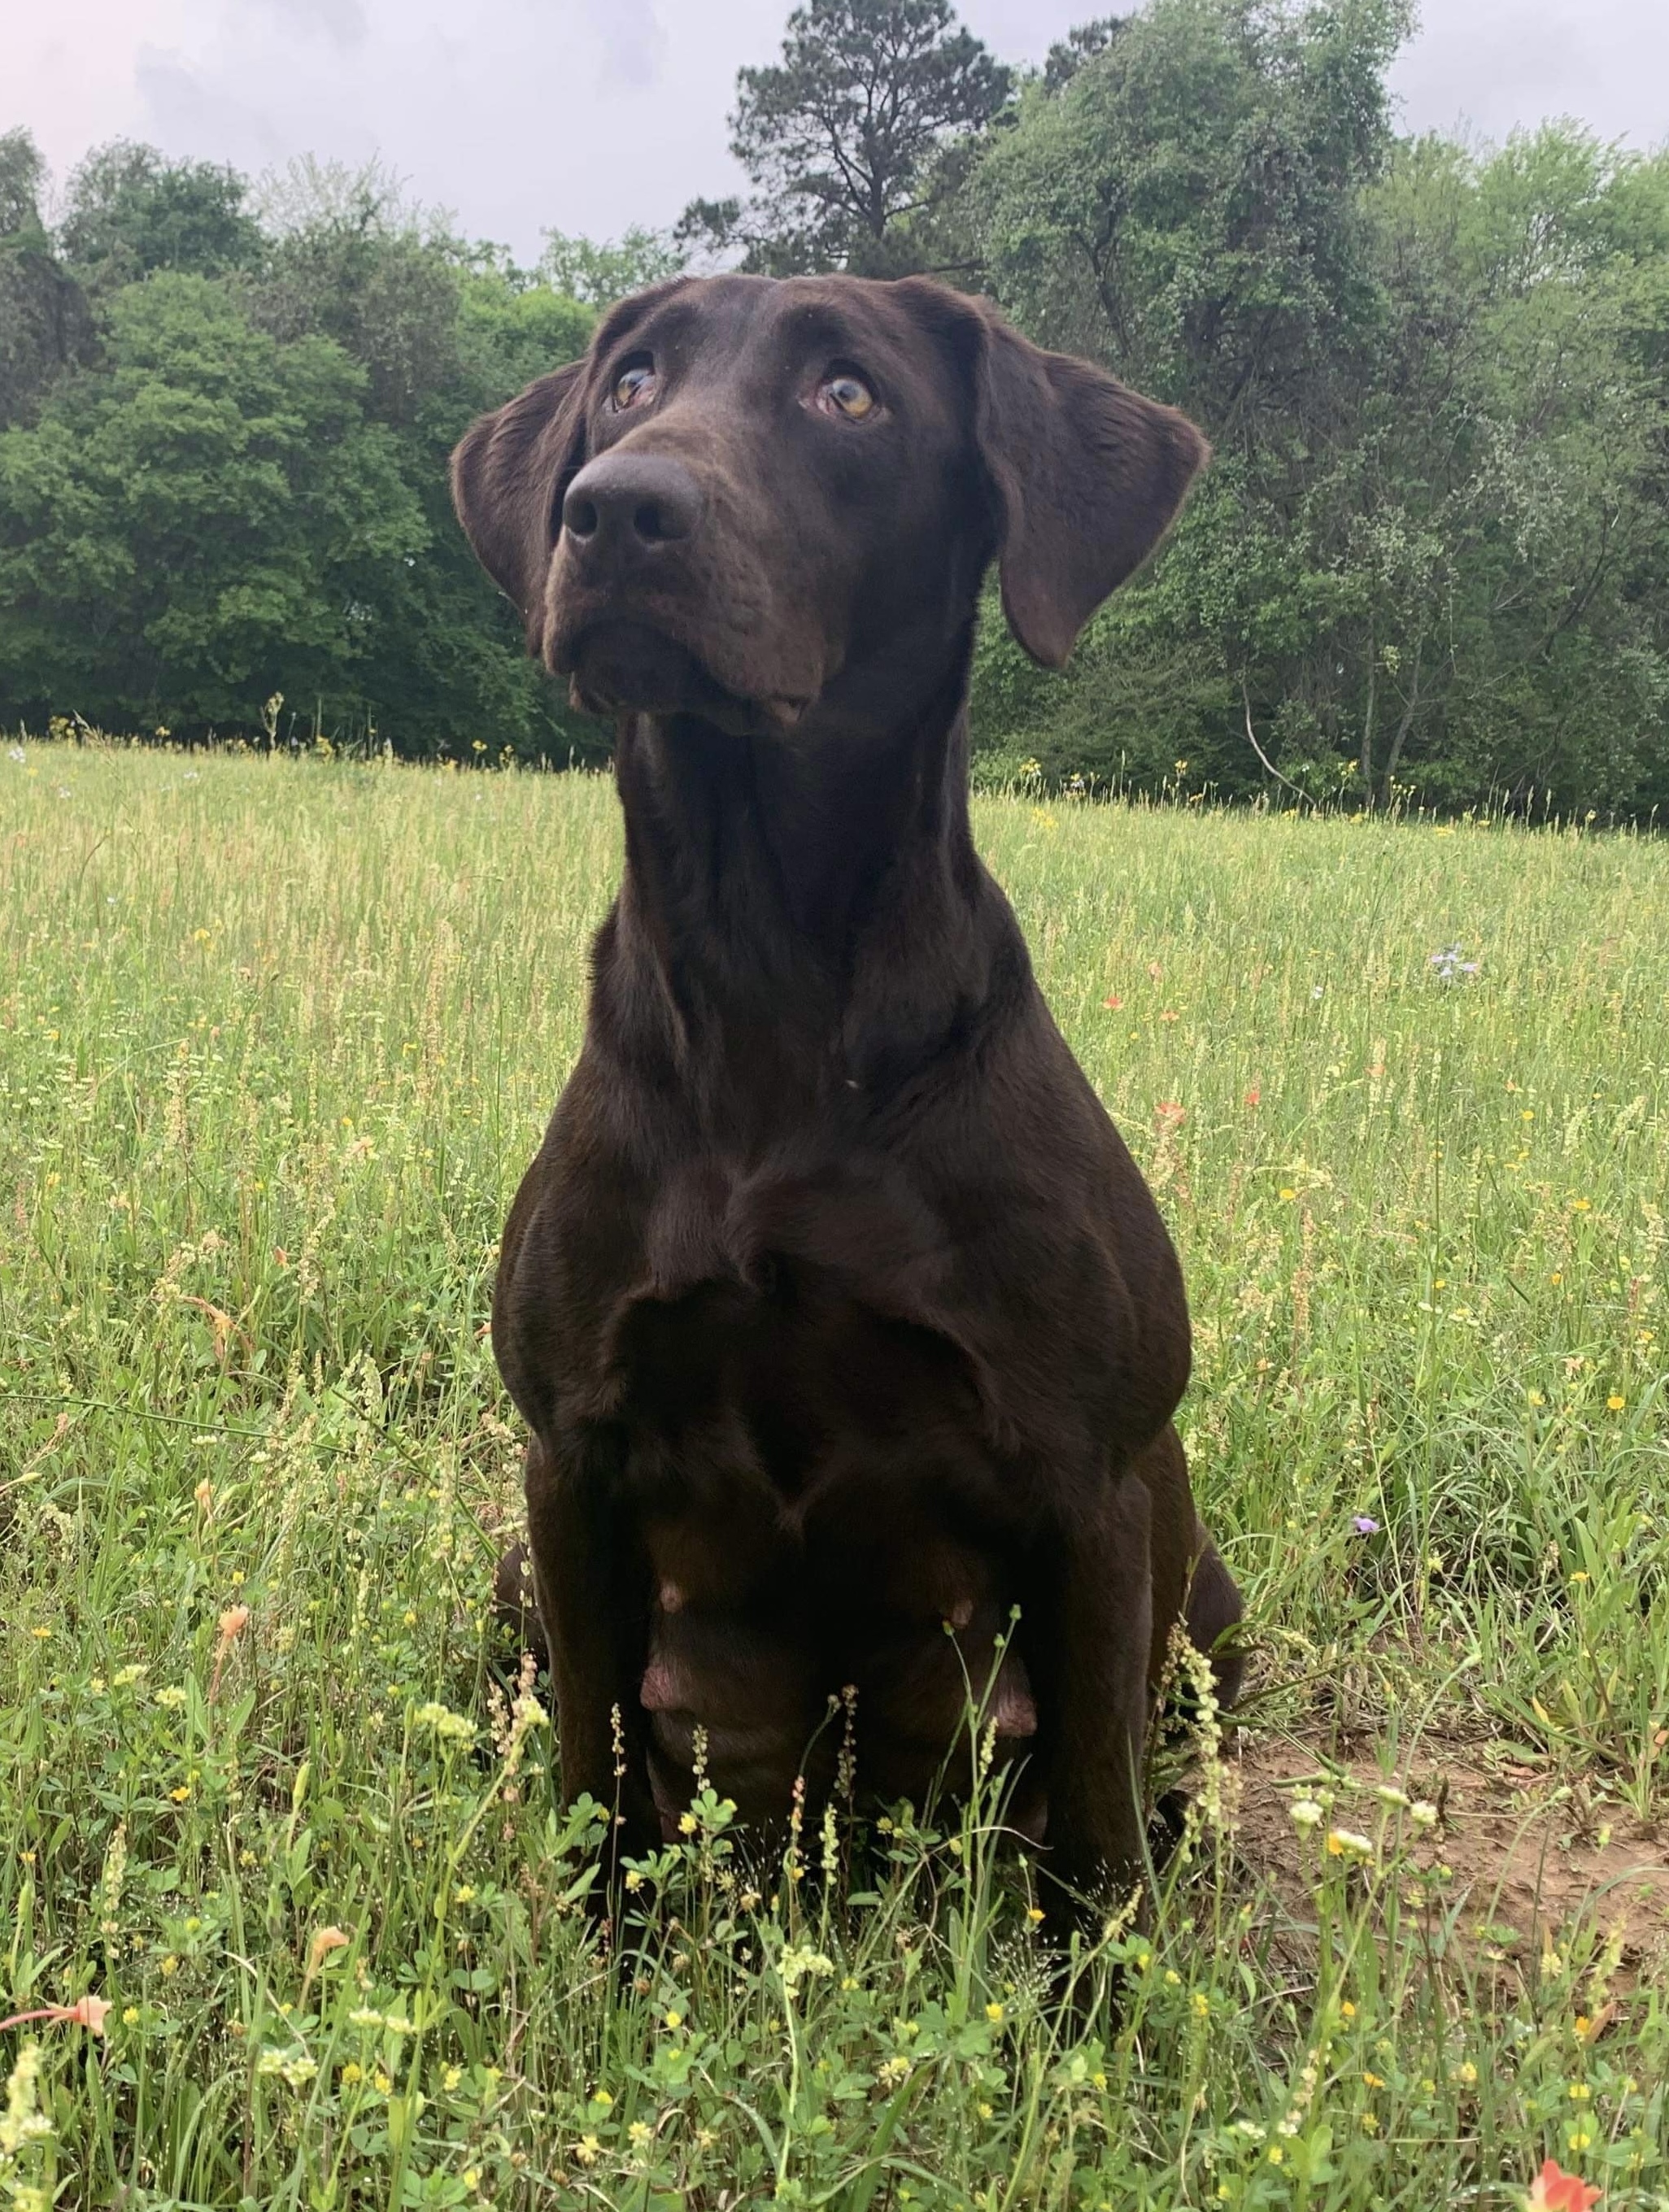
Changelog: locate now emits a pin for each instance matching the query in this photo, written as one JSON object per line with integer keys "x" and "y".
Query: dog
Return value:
{"x": 847, "y": 1333}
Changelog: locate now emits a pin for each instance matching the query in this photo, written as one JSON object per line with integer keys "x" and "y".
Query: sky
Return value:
{"x": 590, "y": 115}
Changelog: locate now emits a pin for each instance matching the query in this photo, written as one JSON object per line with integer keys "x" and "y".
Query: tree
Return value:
{"x": 131, "y": 212}
{"x": 598, "y": 274}
{"x": 348, "y": 259}
{"x": 43, "y": 320}
{"x": 1433, "y": 551}
{"x": 844, "y": 139}
{"x": 209, "y": 521}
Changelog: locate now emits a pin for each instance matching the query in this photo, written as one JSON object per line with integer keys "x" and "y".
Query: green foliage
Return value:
{"x": 210, "y": 516}
{"x": 1432, "y": 551}
{"x": 276, "y": 1040}
{"x": 44, "y": 323}
{"x": 131, "y": 212}
{"x": 844, "y": 138}
{"x": 581, "y": 269}
{"x": 245, "y": 499}
{"x": 1430, "y": 561}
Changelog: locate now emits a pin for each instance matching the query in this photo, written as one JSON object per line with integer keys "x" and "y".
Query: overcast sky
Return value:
{"x": 592, "y": 114}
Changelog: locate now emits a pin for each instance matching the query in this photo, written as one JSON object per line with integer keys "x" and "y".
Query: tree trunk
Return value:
{"x": 1403, "y": 726}
{"x": 1365, "y": 759}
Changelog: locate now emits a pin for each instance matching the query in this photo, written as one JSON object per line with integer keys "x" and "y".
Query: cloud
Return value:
{"x": 342, "y": 21}
{"x": 632, "y": 40}
{"x": 184, "y": 110}
{"x": 592, "y": 114}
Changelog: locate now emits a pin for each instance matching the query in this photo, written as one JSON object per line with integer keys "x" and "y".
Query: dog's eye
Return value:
{"x": 634, "y": 385}
{"x": 845, "y": 395}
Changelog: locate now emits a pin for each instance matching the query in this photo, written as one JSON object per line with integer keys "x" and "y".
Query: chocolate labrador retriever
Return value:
{"x": 847, "y": 1331}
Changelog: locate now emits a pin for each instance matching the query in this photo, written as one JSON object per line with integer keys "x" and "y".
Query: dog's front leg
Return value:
{"x": 589, "y": 1587}
{"x": 1086, "y": 1629}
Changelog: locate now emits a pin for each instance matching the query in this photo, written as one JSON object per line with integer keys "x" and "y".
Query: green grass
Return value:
{"x": 276, "y": 1042}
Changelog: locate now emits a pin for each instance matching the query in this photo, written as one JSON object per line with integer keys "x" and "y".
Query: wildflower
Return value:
{"x": 1451, "y": 965}
{"x": 1113, "y": 1003}
{"x": 994, "y": 2012}
{"x": 1287, "y": 1192}
{"x": 1201, "y": 2005}
{"x": 1615, "y": 1402}
{"x": 449, "y": 1726}
{"x": 639, "y": 2133}
{"x": 793, "y": 1966}
{"x": 1364, "y": 1524}
{"x": 88, "y": 2012}
{"x": 587, "y": 2150}
{"x": 676, "y": 2019}
{"x": 602, "y": 2097}
{"x": 1034, "y": 1914}
{"x": 1170, "y": 1014}
{"x": 1254, "y": 1097}
{"x": 296, "y": 2067}
{"x": 1346, "y": 1843}
{"x": 324, "y": 1942}
{"x": 1422, "y": 1813}
{"x": 1306, "y": 1813}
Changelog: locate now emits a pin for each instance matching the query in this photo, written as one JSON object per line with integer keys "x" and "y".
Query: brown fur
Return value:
{"x": 837, "y": 1307}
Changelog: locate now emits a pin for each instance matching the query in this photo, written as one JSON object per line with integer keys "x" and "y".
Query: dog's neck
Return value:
{"x": 811, "y": 905}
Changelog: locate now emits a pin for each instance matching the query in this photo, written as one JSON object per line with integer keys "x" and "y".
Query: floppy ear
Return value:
{"x": 1088, "y": 476}
{"x": 508, "y": 472}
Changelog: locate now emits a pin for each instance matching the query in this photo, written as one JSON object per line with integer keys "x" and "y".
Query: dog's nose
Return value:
{"x": 632, "y": 503}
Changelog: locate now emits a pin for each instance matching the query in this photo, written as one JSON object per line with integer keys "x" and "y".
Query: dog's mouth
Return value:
{"x": 622, "y": 666}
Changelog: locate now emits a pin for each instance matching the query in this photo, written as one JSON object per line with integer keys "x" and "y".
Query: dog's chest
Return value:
{"x": 785, "y": 1344}
{"x": 817, "y": 1503}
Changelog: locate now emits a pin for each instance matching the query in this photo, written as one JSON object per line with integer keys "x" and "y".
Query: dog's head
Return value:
{"x": 751, "y": 488}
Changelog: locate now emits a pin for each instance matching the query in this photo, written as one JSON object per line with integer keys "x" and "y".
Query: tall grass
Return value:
{"x": 276, "y": 1041}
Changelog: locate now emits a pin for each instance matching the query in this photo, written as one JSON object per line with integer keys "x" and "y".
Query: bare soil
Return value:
{"x": 1531, "y": 1858}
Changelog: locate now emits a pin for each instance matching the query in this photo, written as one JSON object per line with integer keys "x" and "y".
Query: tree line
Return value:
{"x": 1431, "y": 557}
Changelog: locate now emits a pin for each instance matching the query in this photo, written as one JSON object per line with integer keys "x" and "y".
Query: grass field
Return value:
{"x": 276, "y": 1041}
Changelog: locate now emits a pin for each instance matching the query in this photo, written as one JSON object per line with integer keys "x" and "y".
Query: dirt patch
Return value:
{"x": 1529, "y": 1860}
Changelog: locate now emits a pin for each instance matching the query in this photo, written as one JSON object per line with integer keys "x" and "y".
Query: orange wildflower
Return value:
{"x": 1554, "y": 2190}
{"x": 86, "y": 2012}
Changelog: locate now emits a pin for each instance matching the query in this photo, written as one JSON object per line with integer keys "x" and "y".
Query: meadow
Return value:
{"x": 277, "y": 1038}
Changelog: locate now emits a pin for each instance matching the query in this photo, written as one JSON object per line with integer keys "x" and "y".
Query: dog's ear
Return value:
{"x": 508, "y": 473}
{"x": 1088, "y": 475}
